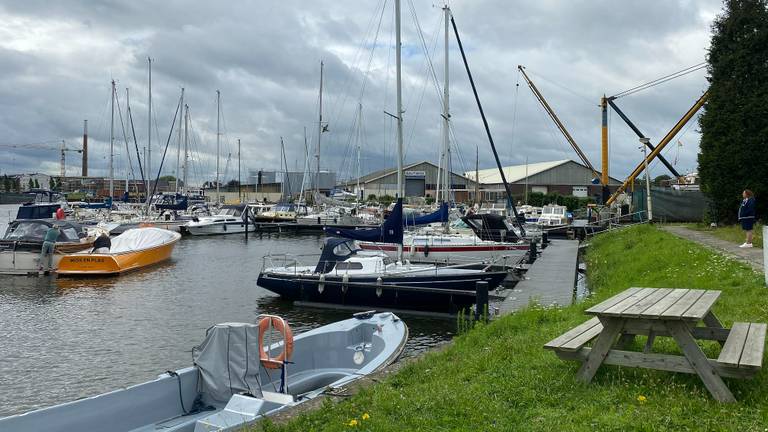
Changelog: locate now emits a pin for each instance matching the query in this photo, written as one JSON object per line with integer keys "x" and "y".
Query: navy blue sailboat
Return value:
{"x": 347, "y": 275}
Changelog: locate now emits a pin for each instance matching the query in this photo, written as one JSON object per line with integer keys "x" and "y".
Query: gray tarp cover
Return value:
{"x": 228, "y": 360}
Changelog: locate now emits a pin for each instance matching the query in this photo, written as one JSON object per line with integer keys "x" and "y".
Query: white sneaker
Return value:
{"x": 746, "y": 245}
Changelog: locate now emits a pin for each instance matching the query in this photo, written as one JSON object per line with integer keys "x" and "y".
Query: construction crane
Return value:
{"x": 557, "y": 121}
{"x": 659, "y": 147}
{"x": 62, "y": 148}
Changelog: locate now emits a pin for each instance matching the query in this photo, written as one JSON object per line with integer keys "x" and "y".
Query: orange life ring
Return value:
{"x": 281, "y": 326}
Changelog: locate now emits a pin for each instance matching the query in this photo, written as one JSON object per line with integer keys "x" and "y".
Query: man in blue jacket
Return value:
{"x": 747, "y": 216}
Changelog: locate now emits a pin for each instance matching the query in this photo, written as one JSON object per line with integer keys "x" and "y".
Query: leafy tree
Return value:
{"x": 6, "y": 183}
{"x": 734, "y": 124}
{"x": 31, "y": 184}
{"x": 659, "y": 180}
{"x": 169, "y": 178}
{"x": 51, "y": 184}
{"x": 17, "y": 184}
{"x": 37, "y": 184}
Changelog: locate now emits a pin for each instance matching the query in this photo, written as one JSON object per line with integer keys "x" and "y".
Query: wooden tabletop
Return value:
{"x": 658, "y": 303}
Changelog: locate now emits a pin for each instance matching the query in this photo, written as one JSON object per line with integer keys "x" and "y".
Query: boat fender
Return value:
{"x": 281, "y": 326}
{"x": 412, "y": 249}
{"x": 379, "y": 283}
{"x": 224, "y": 226}
{"x": 321, "y": 284}
{"x": 426, "y": 251}
{"x": 344, "y": 282}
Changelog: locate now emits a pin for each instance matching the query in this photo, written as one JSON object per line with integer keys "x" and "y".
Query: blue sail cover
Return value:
{"x": 391, "y": 231}
{"x": 441, "y": 215}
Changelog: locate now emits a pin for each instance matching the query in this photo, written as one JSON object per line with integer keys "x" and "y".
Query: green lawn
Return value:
{"x": 498, "y": 377}
{"x": 732, "y": 233}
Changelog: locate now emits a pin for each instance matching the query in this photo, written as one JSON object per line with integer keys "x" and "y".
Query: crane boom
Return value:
{"x": 557, "y": 121}
{"x": 664, "y": 141}
{"x": 62, "y": 148}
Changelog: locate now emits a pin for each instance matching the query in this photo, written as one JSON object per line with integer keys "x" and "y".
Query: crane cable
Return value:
{"x": 660, "y": 80}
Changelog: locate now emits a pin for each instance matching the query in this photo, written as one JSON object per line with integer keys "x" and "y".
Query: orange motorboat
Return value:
{"x": 132, "y": 250}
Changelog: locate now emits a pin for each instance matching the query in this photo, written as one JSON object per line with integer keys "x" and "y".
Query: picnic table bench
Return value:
{"x": 665, "y": 312}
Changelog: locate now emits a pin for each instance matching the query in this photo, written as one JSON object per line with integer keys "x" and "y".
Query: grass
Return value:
{"x": 498, "y": 377}
{"x": 732, "y": 233}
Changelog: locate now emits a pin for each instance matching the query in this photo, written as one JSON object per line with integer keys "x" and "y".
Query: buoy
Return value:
{"x": 344, "y": 282}
{"x": 281, "y": 326}
{"x": 379, "y": 283}
{"x": 59, "y": 214}
{"x": 321, "y": 284}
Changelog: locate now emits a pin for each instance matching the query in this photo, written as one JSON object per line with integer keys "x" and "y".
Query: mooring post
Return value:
{"x": 481, "y": 300}
{"x": 544, "y": 239}
{"x": 532, "y": 252}
{"x": 247, "y": 221}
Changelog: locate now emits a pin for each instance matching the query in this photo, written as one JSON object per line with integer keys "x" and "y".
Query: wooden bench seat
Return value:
{"x": 575, "y": 338}
{"x": 744, "y": 347}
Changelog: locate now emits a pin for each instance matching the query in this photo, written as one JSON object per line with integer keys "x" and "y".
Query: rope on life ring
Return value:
{"x": 281, "y": 326}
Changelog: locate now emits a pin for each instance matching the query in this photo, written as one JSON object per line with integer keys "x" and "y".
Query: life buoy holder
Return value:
{"x": 281, "y": 326}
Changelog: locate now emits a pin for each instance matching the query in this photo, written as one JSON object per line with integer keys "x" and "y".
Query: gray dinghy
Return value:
{"x": 229, "y": 387}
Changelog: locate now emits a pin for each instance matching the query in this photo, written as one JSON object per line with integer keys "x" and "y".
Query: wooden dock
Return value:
{"x": 550, "y": 279}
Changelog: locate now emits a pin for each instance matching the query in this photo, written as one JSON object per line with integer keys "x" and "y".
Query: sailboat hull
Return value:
{"x": 419, "y": 292}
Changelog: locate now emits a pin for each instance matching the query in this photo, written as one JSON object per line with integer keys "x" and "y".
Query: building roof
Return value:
{"x": 389, "y": 171}
{"x": 516, "y": 173}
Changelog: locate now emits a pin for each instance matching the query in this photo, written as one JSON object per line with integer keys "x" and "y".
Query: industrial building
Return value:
{"x": 420, "y": 178}
{"x": 565, "y": 177}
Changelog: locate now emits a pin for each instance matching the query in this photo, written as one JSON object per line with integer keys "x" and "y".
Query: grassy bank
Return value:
{"x": 498, "y": 377}
{"x": 732, "y": 233}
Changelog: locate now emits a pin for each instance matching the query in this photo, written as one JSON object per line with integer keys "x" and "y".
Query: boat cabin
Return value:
{"x": 553, "y": 215}
{"x": 345, "y": 256}
{"x": 491, "y": 227}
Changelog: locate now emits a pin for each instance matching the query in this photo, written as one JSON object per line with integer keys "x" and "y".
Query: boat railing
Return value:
{"x": 287, "y": 260}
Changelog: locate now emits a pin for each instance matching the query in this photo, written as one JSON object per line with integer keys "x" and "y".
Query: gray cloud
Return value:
{"x": 57, "y": 58}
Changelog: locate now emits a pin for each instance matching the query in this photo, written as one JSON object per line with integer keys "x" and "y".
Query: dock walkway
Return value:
{"x": 550, "y": 279}
{"x": 752, "y": 256}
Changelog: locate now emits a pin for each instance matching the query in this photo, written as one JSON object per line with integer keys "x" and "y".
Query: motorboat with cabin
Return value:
{"x": 241, "y": 373}
{"x": 23, "y": 240}
{"x": 231, "y": 219}
{"x": 553, "y": 216}
{"x": 280, "y": 212}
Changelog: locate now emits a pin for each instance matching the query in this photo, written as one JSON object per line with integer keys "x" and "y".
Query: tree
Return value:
{"x": 168, "y": 178}
{"x": 6, "y": 183}
{"x": 734, "y": 124}
{"x": 51, "y": 183}
{"x": 37, "y": 184}
{"x": 659, "y": 180}
{"x": 31, "y": 184}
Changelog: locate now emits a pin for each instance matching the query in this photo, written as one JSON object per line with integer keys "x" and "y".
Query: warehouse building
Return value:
{"x": 564, "y": 177}
{"x": 420, "y": 178}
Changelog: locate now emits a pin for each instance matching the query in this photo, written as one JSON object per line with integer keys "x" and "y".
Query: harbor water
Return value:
{"x": 64, "y": 339}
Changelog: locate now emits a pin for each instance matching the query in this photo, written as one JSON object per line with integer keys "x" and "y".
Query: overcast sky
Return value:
{"x": 57, "y": 60}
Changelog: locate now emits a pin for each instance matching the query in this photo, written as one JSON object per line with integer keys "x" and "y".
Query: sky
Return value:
{"x": 57, "y": 61}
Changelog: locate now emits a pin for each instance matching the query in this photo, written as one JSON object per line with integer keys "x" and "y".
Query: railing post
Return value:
{"x": 765, "y": 254}
{"x": 481, "y": 300}
{"x": 532, "y": 252}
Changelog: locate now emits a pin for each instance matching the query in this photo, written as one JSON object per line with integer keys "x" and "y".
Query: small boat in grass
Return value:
{"x": 132, "y": 250}
{"x": 236, "y": 379}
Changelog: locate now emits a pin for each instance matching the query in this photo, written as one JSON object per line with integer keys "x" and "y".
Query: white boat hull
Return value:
{"x": 23, "y": 262}
{"x": 219, "y": 228}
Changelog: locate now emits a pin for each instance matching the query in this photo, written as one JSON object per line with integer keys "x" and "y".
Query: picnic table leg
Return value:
{"x": 611, "y": 328}
{"x": 698, "y": 360}
{"x": 710, "y": 320}
{"x": 625, "y": 340}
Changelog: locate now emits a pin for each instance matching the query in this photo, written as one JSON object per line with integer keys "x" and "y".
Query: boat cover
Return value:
{"x": 141, "y": 238}
{"x": 441, "y": 215}
{"x": 391, "y": 231}
{"x": 228, "y": 360}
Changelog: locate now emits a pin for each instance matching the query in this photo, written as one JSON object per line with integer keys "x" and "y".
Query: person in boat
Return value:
{"x": 747, "y": 216}
{"x": 49, "y": 244}
{"x": 102, "y": 244}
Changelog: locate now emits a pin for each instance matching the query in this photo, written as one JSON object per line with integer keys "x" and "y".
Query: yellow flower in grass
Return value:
{"x": 352, "y": 423}
{"x": 365, "y": 416}
{"x": 642, "y": 399}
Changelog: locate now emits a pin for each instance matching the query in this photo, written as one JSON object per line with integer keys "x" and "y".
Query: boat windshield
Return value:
{"x": 346, "y": 248}
{"x": 230, "y": 211}
{"x": 554, "y": 210}
{"x": 35, "y": 231}
{"x": 284, "y": 208}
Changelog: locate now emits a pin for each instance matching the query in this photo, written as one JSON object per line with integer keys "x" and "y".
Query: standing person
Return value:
{"x": 49, "y": 244}
{"x": 747, "y": 216}
{"x": 102, "y": 244}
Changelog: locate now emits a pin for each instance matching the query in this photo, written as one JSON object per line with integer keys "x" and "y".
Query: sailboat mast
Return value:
{"x": 112, "y": 146}
{"x": 178, "y": 147}
{"x": 149, "y": 125}
{"x": 218, "y": 140}
{"x": 186, "y": 148}
{"x": 129, "y": 166}
{"x": 319, "y": 132}
{"x": 285, "y": 173}
{"x": 359, "y": 137}
{"x": 446, "y": 115}
{"x": 239, "y": 187}
{"x": 399, "y": 66}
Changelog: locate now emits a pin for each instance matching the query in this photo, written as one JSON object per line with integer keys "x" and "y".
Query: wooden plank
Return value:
{"x": 637, "y": 308}
{"x": 677, "y": 310}
{"x": 579, "y": 341}
{"x": 665, "y": 362}
{"x": 617, "y": 309}
{"x": 572, "y": 333}
{"x": 645, "y": 326}
{"x": 664, "y": 304}
{"x": 752, "y": 356}
{"x": 712, "y": 381}
{"x": 734, "y": 345}
{"x": 611, "y": 329}
{"x": 702, "y": 306}
{"x": 611, "y": 301}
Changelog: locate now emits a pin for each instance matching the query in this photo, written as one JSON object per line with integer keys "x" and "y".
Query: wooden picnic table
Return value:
{"x": 668, "y": 312}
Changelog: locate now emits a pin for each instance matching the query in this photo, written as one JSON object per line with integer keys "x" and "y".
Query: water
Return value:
{"x": 64, "y": 339}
